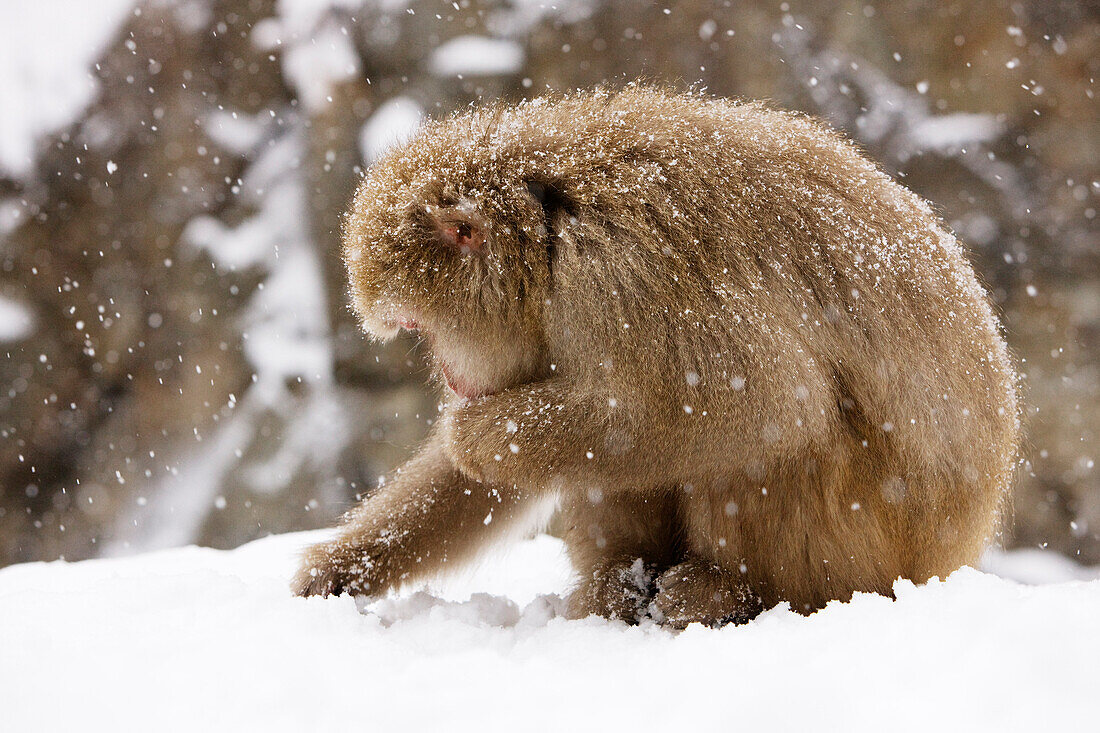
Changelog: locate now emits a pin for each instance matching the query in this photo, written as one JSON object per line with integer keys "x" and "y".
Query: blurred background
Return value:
{"x": 177, "y": 360}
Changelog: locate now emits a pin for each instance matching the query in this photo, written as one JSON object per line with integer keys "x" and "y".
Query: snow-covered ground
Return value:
{"x": 197, "y": 639}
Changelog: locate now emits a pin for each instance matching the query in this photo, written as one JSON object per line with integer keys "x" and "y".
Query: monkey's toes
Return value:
{"x": 331, "y": 570}
{"x": 698, "y": 592}
{"x": 620, "y": 590}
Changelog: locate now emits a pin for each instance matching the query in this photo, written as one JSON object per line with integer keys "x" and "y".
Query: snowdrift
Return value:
{"x": 198, "y": 639}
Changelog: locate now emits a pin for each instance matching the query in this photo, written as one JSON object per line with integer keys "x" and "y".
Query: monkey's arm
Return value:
{"x": 538, "y": 434}
{"x": 426, "y": 517}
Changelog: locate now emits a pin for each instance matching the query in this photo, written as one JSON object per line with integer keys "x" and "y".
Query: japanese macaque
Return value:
{"x": 751, "y": 366}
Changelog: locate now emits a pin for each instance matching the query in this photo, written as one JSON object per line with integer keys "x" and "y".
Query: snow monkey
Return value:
{"x": 751, "y": 366}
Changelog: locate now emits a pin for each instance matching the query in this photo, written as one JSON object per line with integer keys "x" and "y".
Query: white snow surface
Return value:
{"x": 199, "y": 639}
{"x": 47, "y": 52}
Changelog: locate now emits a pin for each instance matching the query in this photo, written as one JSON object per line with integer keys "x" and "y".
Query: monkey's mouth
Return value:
{"x": 459, "y": 386}
{"x": 457, "y": 382}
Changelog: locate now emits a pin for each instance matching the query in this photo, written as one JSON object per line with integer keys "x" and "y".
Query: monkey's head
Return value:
{"x": 544, "y": 237}
{"x": 449, "y": 239}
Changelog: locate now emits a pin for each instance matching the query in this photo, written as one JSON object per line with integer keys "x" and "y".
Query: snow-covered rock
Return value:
{"x": 477, "y": 56}
{"x": 198, "y": 639}
{"x": 46, "y": 76}
{"x": 393, "y": 123}
{"x": 16, "y": 320}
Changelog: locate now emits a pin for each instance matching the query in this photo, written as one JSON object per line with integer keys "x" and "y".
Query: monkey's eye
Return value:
{"x": 463, "y": 236}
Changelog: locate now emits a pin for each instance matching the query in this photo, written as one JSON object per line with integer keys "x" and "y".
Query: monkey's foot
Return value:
{"x": 705, "y": 593}
{"x": 619, "y": 590}
{"x": 333, "y": 568}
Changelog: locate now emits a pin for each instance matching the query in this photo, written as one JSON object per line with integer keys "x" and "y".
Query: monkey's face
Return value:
{"x": 451, "y": 248}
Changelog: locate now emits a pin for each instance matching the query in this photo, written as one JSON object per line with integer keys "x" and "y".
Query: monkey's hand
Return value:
{"x": 337, "y": 567}
{"x": 485, "y": 437}
{"x": 535, "y": 434}
{"x": 427, "y": 516}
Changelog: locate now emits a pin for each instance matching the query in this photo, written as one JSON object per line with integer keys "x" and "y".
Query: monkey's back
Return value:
{"x": 757, "y": 248}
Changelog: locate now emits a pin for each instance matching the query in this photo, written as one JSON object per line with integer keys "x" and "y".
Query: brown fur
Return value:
{"x": 754, "y": 368}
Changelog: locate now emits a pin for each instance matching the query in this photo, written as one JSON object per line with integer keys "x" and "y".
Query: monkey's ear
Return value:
{"x": 554, "y": 204}
{"x": 458, "y": 228}
{"x": 538, "y": 191}
{"x": 549, "y": 197}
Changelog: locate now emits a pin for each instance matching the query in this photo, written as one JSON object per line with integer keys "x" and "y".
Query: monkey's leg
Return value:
{"x": 700, "y": 591}
{"x": 427, "y": 517}
{"x": 710, "y": 584}
{"x": 618, "y": 543}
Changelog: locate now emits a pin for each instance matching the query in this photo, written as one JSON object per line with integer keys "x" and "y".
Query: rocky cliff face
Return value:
{"x": 179, "y": 361}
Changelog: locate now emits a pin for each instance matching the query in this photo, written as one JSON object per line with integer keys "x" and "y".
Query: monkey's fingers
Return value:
{"x": 310, "y": 582}
{"x": 462, "y": 438}
{"x": 524, "y": 436}
{"x": 332, "y": 569}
